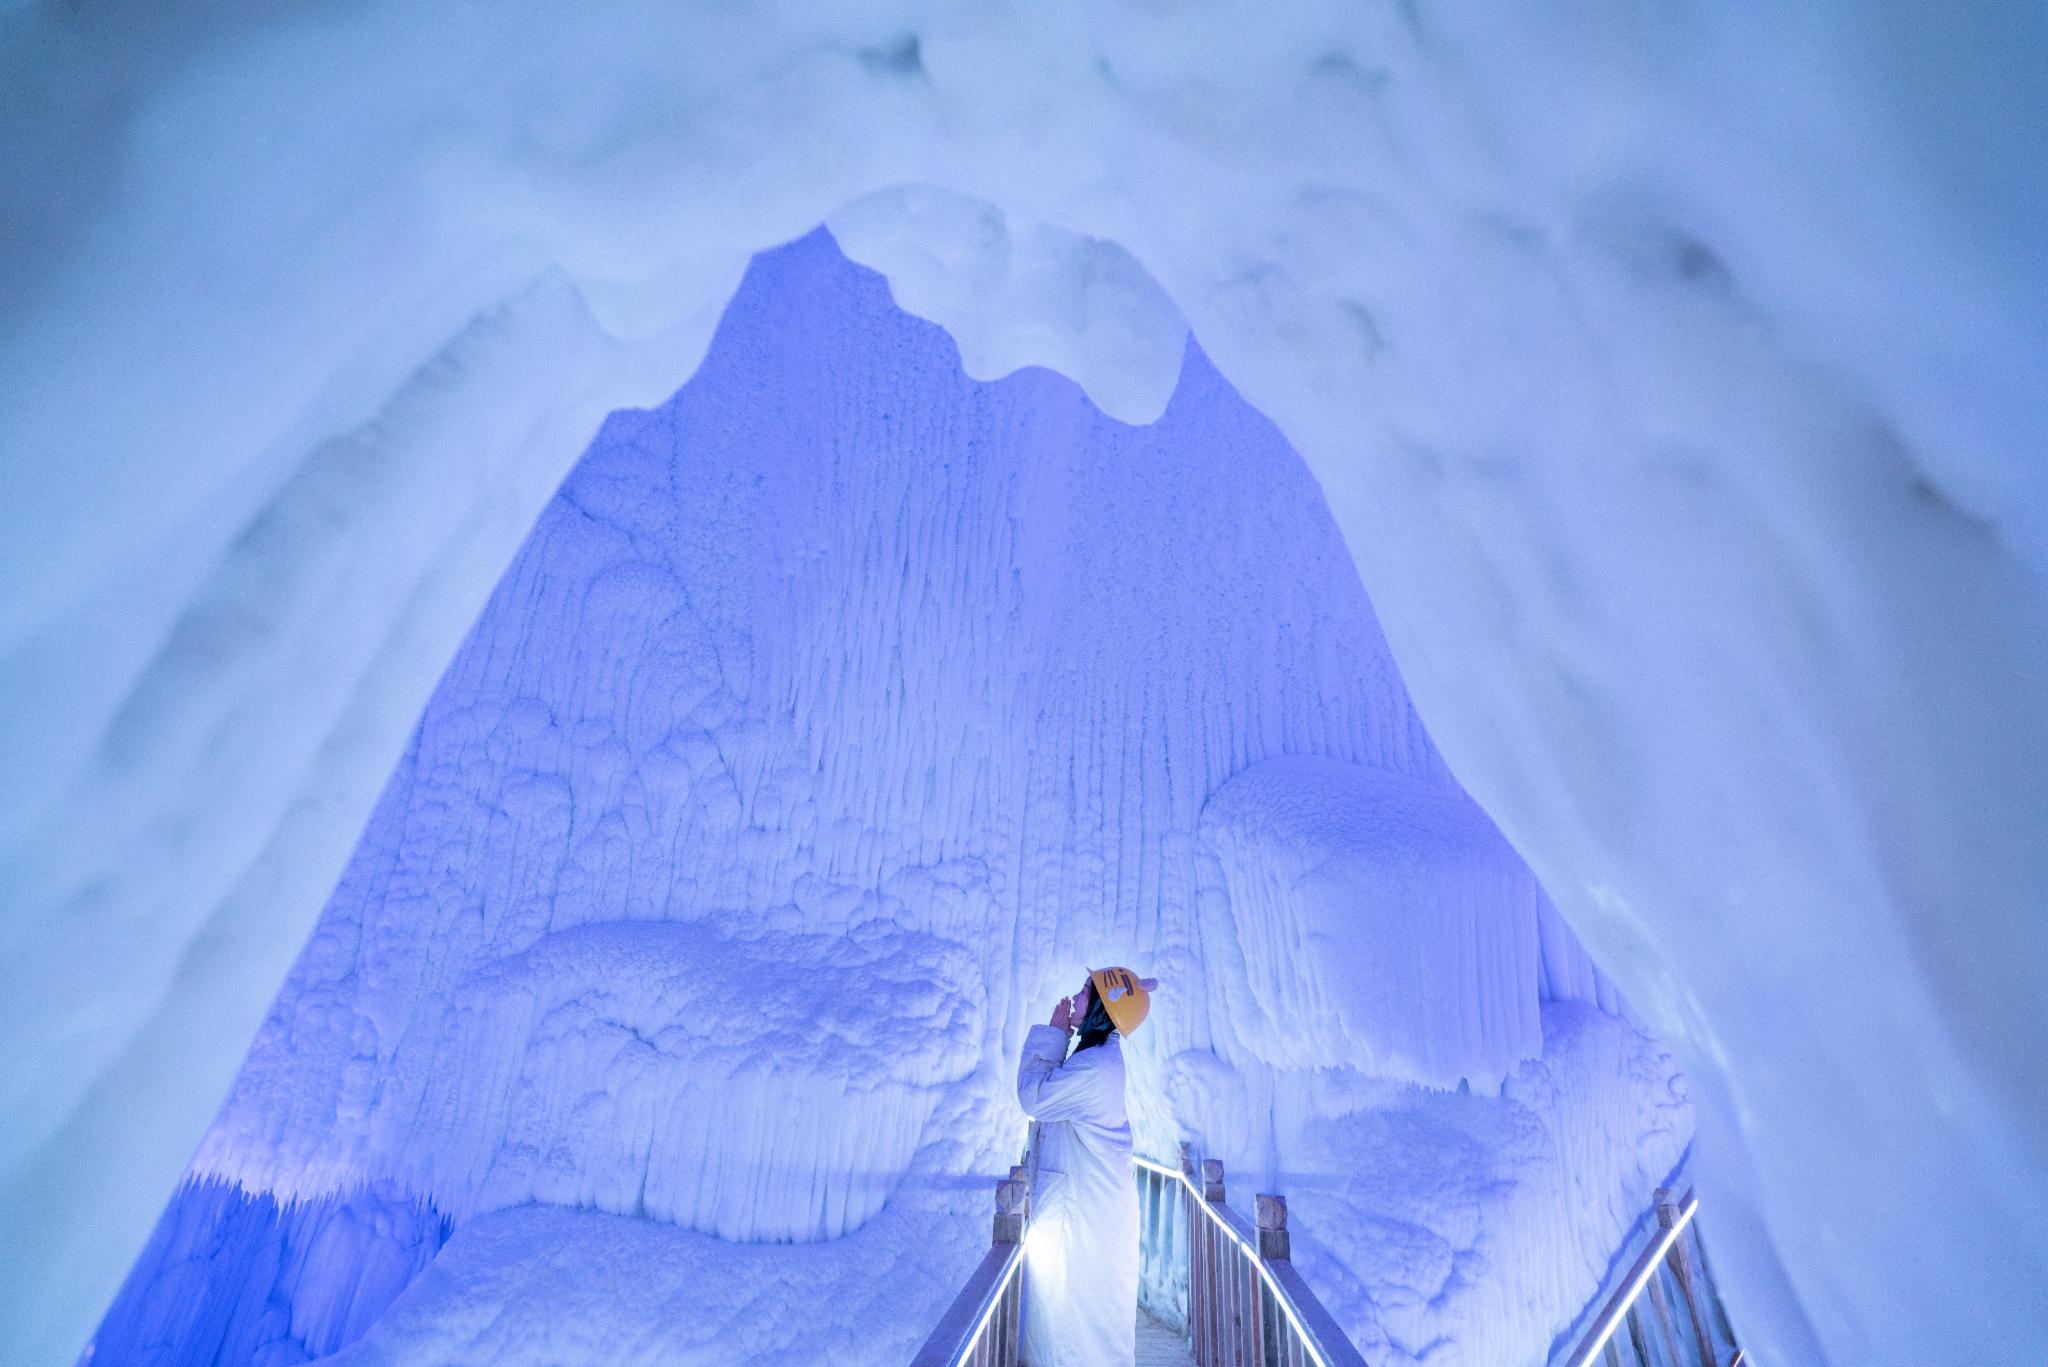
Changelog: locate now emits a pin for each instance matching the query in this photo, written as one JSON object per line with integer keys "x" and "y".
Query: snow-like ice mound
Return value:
{"x": 1385, "y": 924}
{"x": 696, "y": 1078}
{"x": 539, "y": 1286}
{"x": 1465, "y": 1219}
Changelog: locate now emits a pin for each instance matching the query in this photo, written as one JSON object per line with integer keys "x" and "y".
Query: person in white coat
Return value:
{"x": 1081, "y": 1254}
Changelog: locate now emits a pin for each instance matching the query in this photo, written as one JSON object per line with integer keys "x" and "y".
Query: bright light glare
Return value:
{"x": 1044, "y": 1251}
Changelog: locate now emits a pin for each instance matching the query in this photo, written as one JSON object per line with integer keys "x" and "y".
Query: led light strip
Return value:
{"x": 988, "y": 1311}
{"x": 1642, "y": 1279}
{"x": 1280, "y": 1297}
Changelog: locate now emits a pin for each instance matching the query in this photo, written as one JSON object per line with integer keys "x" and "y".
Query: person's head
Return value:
{"x": 1125, "y": 996}
{"x": 1111, "y": 1001}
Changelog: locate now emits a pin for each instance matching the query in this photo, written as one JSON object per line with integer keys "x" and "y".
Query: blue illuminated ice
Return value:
{"x": 1671, "y": 374}
{"x": 832, "y": 713}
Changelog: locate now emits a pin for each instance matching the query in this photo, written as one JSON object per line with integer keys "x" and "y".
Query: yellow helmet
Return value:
{"x": 1124, "y": 995}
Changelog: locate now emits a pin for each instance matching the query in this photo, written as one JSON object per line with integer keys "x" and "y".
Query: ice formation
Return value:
{"x": 1377, "y": 913}
{"x": 831, "y": 711}
{"x": 1670, "y": 373}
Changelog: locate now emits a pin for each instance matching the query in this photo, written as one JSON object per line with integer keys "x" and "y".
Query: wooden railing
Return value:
{"x": 1242, "y": 1304}
{"x": 1246, "y": 1306}
{"x": 986, "y": 1320}
{"x": 1638, "y": 1326}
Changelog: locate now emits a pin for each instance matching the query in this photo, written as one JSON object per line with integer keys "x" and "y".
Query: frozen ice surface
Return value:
{"x": 1671, "y": 372}
{"x": 1385, "y": 919}
{"x": 1470, "y": 1229}
{"x": 539, "y": 1286}
{"x": 833, "y": 714}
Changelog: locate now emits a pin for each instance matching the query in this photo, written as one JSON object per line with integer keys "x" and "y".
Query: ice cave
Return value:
{"x": 604, "y": 607}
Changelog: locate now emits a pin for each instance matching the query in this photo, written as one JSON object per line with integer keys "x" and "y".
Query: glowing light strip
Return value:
{"x": 988, "y": 1311}
{"x": 1593, "y": 1346}
{"x": 1280, "y": 1296}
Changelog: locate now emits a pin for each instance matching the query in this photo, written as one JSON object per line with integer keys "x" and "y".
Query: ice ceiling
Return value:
{"x": 1672, "y": 377}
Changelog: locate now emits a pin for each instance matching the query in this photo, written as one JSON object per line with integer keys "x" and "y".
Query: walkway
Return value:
{"x": 1159, "y": 1346}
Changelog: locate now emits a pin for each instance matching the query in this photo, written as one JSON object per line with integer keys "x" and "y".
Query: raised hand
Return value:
{"x": 1063, "y": 1016}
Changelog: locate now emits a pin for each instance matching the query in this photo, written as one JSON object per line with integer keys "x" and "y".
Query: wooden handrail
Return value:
{"x": 1221, "y": 1332}
{"x": 1238, "y": 1270}
{"x": 985, "y": 1321}
{"x": 1244, "y": 1296}
{"x": 1621, "y": 1308}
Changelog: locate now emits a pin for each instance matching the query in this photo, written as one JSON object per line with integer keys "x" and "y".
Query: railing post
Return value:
{"x": 1013, "y": 1206}
{"x": 1681, "y": 1263}
{"x": 1272, "y": 1213}
{"x": 1215, "y": 1277}
{"x": 1197, "y": 1340}
{"x": 1013, "y": 1200}
{"x": 1635, "y": 1333}
{"x": 1661, "y": 1303}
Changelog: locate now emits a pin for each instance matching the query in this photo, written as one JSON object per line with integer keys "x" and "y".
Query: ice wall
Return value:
{"x": 832, "y": 716}
{"x": 235, "y": 1277}
{"x": 1670, "y": 372}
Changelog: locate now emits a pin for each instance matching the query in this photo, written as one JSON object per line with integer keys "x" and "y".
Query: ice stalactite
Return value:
{"x": 234, "y": 1277}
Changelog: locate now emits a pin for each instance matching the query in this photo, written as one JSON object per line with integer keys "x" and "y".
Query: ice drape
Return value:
{"x": 1081, "y": 1268}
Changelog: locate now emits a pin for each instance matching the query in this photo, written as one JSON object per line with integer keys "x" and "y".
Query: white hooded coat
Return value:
{"x": 1081, "y": 1255}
